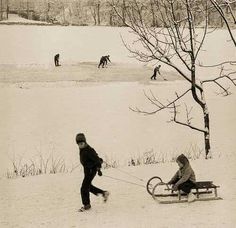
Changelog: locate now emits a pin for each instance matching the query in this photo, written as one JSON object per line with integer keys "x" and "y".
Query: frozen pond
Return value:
{"x": 37, "y": 44}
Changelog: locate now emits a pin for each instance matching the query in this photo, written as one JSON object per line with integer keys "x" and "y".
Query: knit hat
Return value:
{"x": 80, "y": 138}
{"x": 182, "y": 159}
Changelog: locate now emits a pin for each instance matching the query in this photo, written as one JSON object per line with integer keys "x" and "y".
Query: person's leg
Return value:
{"x": 97, "y": 191}
{"x": 94, "y": 189}
{"x": 100, "y": 63}
{"x": 186, "y": 186}
{"x": 85, "y": 188}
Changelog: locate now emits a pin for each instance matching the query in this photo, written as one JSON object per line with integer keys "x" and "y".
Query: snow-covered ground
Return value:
{"x": 43, "y": 107}
{"x": 53, "y": 200}
{"x": 15, "y": 19}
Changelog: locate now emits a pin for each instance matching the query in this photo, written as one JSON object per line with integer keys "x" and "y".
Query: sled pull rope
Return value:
{"x": 114, "y": 178}
{"x": 126, "y": 172}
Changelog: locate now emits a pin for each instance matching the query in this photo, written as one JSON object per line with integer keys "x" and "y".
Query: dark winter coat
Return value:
{"x": 56, "y": 57}
{"x": 105, "y": 59}
{"x": 156, "y": 69}
{"x": 89, "y": 158}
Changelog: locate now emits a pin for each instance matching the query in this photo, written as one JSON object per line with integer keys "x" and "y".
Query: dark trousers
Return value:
{"x": 102, "y": 63}
{"x": 87, "y": 186}
{"x": 186, "y": 186}
{"x": 56, "y": 61}
{"x": 154, "y": 76}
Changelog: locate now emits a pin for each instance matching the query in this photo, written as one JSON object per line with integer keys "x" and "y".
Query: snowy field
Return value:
{"x": 43, "y": 107}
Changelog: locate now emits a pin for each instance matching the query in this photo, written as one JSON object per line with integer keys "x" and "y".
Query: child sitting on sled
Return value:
{"x": 184, "y": 179}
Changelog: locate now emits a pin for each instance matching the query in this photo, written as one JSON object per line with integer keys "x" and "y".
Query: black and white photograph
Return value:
{"x": 117, "y": 113}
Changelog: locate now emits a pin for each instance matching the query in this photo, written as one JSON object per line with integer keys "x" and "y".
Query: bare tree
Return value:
{"x": 177, "y": 44}
{"x": 95, "y": 9}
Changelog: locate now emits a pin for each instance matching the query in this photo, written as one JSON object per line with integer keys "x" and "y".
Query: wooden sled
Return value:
{"x": 161, "y": 192}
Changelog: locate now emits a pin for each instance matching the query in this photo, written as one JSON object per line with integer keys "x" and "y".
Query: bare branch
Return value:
{"x": 218, "y": 64}
{"x": 160, "y": 106}
{"x": 183, "y": 123}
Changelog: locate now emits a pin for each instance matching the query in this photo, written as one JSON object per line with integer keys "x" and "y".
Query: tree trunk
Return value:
{"x": 47, "y": 11}
{"x": 209, "y": 18}
{"x": 94, "y": 16}
{"x": 1, "y": 10}
{"x": 98, "y": 13}
{"x": 202, "y": 102}
{"x": 123, "y": 12}
{"x": 111, "y": 18}
{"x": 27, "y": 9}
{"x": 64, "y": 16}
{"x": 206, "y": 126}
{"x": 153, "y": 14}
{"x": 206, "y": 121}
{"x": 207, "y": 133}
{"x": 7, "y": 8}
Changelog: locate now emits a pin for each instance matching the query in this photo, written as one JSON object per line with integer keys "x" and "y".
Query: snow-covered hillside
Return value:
{"x": 53, "y": 200}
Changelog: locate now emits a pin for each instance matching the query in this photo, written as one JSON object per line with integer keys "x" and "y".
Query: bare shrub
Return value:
{"x": 109, "y": 162}
{"x": 192, "y": 152}
{"x": 37, "y": 166}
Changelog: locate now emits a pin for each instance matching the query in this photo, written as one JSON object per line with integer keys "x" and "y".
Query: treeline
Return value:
{"x": 64, "y": 12}
{"x": 90, "y": 12}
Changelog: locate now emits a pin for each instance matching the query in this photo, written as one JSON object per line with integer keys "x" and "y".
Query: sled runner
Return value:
{"x": 162, "y": 192}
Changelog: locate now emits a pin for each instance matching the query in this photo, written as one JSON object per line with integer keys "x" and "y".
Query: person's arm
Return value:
{"x": 186, "y": 175}
{"x": 95, "y": 158}
{"x": 174, "y": 178}
{"x": 97, "y": 161}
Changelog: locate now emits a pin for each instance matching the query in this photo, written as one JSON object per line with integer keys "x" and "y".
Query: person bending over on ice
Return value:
{"x": 92, "y": 165}
{"x": 56, "y": 60}
{"x": 103, "y": 61}
{"x": 184, "y": 179}
{"x": 156, "y": 70}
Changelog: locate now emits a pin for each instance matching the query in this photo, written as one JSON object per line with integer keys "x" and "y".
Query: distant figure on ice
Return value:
{"x": 156, "y": 70}
{"x": 92, "y": 165}
{"x": 103, "y": 61}
{"x": 132, "y": 162}
{"x": 184, "y": 179}
{"x": 56, "y": 60}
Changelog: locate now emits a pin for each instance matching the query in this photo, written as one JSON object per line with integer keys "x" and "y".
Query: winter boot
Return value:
{"x": 191, "y": 197}
{"x": 85, "y": 208}
{"x": 105, "y": 196}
